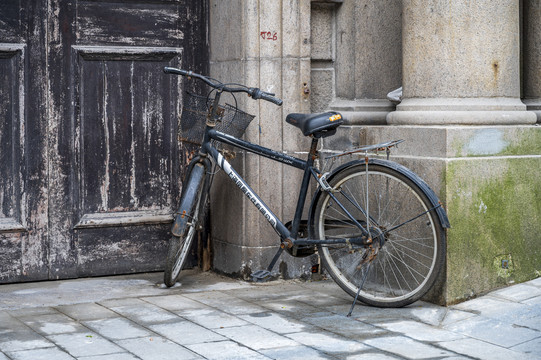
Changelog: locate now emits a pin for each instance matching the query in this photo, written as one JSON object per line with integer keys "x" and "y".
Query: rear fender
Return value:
{"x": 432, "y": 197}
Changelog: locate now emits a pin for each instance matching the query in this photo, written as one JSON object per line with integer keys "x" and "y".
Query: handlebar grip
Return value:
{"x": 257, "y": 94}
{"x": 272, "y": 99}
{"x": 172, "y": 70}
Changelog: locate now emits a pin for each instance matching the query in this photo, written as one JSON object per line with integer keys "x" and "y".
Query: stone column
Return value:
{"x": 461, "y": 63}
{"x": 532, "y": 56}
{"x": 261, "y": 44}
{"x": 471, "y": 139}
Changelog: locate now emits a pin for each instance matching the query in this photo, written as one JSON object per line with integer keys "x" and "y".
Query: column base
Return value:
{"x": 534, "y": 105}
{"x": 456, "y": 111}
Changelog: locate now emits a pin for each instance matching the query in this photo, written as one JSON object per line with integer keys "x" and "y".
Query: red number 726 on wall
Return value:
{"x": 267, "y": 35}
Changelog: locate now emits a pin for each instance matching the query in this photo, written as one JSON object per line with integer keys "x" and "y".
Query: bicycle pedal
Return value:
{"x": 261, "y": 276}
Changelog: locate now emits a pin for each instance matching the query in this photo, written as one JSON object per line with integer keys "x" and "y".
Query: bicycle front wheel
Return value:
{"x": 405, "y": 259}
{"x": 179, "y": 246}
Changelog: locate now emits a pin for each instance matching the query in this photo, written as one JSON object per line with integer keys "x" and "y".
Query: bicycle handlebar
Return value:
{"x": 254, "y": 93}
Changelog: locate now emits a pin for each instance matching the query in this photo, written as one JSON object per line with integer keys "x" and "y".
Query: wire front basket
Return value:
{"x": 232, "y": 120}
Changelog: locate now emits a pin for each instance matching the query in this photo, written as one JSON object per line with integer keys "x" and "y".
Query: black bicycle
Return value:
{"x": 378, "y": 228}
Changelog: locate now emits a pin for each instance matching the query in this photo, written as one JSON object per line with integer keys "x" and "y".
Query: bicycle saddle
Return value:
{"x": 319, "y": 125}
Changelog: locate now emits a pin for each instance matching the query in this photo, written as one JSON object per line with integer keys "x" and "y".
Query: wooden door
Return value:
{"x": 100, "y": 123}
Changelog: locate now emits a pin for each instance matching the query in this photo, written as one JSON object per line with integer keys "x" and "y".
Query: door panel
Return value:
{"x": 125, "y": 130}
{"x": 12, "y": 100}
{"x": 23, "y": 169}
{"x": 126, "y": 155}
{"x": 11, "y": 148}
{"x": 132, "y": 22}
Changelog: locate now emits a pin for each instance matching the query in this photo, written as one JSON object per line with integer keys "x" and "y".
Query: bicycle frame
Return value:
{"x": 288, "y": 236}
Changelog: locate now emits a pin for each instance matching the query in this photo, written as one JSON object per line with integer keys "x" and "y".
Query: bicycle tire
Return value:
{"x": 408, "y": 258}
{"x": 179, "y": 246}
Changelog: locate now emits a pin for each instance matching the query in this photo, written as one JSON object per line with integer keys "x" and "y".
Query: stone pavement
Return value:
{"x": 213, "y": 317}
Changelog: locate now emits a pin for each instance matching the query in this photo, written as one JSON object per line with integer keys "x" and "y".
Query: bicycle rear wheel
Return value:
{"x": 190, "y": 203}
{"x": 409, "y": 250}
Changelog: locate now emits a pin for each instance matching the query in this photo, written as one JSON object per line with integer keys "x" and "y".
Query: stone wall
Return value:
{"x": 468, "y": 131}
{"x": 264, "y": 44}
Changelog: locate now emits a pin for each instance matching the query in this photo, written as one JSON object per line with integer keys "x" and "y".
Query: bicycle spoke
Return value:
{"x": 412, "y": 219}
{"x": 406, "y": 266}
{"x": 405, "y": 248}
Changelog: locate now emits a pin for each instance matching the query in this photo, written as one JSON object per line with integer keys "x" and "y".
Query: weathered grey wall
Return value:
{"x": 263, "y": 44}
{"x": 356, "y": 57}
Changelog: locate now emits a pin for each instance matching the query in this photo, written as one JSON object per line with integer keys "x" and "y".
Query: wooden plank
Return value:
{"x": 121, "y": 250}
{"x": 127, "y": 218}
{"x": 134, "y": 22}
{"x": 11, "y": 225}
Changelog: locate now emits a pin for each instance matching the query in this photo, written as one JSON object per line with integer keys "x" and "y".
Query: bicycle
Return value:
{"x": 377, "y": 226}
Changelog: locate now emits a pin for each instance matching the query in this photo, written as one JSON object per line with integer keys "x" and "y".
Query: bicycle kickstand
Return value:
{"x": 359, "y": 291}
{"x": 265, "y": 275}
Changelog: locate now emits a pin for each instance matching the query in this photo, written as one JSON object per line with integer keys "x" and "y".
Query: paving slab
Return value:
{"x": 52, "y": 324}
{"x": 157, "y": 348}
{"x": 226, "y": 350}
{"x": 40, "y": 354}
{"x": 344, "y": 326}
{"x": 295, "y": 353}
{"x": 211, "y": 318}
{"x": 186, "y": 332}
{"x": 519, "y": 292}
{"x": 532, "y": 347}
{"x": 536, "y": 301}
{"x": 85, "y": 344}
{"x": 493, "y": 331}
{"x": 86, "y": 311}
{"x": 276, "y": 322}
{"x": 292, "y": 308}
{"x": 373, "y": 356}
{"x": 328, "y": 342}
{"x": 225, "y": 302}
{"x": 22, "y": 340}
{"x": 173, "y": 302}
{"x": 256, "y": 338}
{"x": 117, "y": 328}
{"x": 140, "y": 311}
{"x": 117, "y": 356}
{"x": 9, "y": 323}
{"x": 478, "y": 349}
{"x": 408, "y": 348}
{"x": 420, "y": 331}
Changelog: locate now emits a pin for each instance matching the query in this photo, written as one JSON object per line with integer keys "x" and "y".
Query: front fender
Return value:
{"x": 193, "y": 184}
